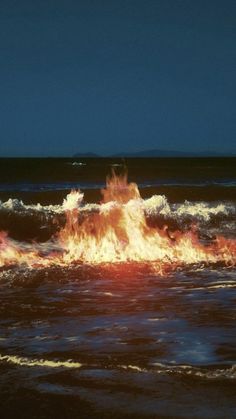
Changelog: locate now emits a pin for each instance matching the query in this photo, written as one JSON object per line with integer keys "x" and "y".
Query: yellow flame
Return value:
{"x": 116, "y": 232}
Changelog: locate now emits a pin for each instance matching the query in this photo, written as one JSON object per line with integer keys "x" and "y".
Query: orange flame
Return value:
{"x": 116, "y": 232}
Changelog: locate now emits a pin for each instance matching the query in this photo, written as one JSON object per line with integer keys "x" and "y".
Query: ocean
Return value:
{"x": 117, "y": 288}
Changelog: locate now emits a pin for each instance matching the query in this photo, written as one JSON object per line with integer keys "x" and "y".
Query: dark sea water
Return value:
{"x": 118, "y": 340}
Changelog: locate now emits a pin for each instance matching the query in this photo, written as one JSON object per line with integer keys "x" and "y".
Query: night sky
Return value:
{"x": 111, "y": 75}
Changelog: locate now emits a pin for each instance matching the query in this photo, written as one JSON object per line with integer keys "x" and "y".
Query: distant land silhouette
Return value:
{"x": 159, "y": 153}
{"x": 86, "y": 154}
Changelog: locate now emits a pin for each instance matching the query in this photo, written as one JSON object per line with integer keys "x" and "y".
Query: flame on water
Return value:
{"x": 116, "y": 232}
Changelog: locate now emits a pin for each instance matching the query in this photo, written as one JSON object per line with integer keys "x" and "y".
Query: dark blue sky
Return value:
{"x": 111, "y": 75}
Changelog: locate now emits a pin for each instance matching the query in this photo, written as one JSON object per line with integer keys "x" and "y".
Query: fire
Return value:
{"x": 117, "y": 231}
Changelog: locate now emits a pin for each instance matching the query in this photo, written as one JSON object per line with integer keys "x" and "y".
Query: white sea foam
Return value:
{"x": 132, "y": 367}
{"x": 211, "y": 374}
{"x": 202, "y": 210}
{"x": 34, "y": 362}
{"x": 158, "y": 368}
{"x": 17, "y": 205}
{"x": 72, "y": 201}
{"x": 157, "y": 205}
{"x": 187, "y": 370}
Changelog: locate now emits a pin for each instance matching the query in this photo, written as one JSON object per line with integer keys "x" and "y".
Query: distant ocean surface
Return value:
{"x": 122, "y": 337}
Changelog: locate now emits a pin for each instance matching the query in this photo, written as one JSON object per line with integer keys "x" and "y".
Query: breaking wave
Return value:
{"x": 228, "y": 373}
{"x": 44, "y": 220}
{"x": 33, "y": 362}
{"x": 217, "y": 373}
{"x": 157, "y": 205}
{"x": 122, "y": 228}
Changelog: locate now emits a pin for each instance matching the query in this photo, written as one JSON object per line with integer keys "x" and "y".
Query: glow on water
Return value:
{"x": 117, "y": 231}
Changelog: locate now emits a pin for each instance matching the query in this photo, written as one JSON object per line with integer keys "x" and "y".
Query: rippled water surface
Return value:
{"x": 130, "y": 343}
{"x": 118, "y": 340}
